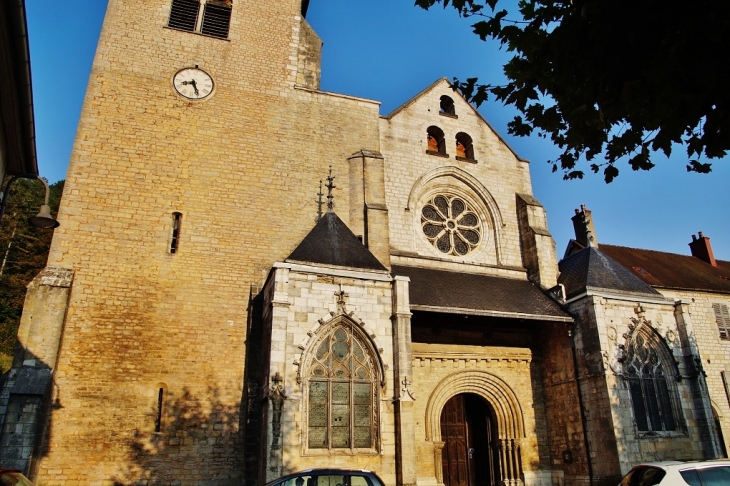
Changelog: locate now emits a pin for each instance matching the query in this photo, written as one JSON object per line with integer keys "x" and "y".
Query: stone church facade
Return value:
{"x": 201, "y": 322}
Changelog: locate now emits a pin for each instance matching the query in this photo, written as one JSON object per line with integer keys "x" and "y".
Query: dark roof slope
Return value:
{"x": 590, "y": 268}
{"x": 332, "y": 243}
{"x": 670, "y": 270}
{"x": 479, "y": 294}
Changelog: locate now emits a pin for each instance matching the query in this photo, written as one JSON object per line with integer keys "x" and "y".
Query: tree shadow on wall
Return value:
{"x": 198, "y": 442}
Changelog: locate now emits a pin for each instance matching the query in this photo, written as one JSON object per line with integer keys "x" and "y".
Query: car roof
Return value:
{"x": 681, "y": 465}
{"x": 321, "y": 471}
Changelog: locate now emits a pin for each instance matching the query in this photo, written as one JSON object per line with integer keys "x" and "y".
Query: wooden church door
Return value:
{"x": 469, "y": 447}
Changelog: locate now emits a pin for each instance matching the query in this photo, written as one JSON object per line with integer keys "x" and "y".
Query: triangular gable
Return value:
{"x": 332, "y": 243}
{"x": 457, "y": 95}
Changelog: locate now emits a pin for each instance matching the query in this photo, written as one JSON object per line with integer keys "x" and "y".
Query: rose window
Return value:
{"x": 450, "y": 225}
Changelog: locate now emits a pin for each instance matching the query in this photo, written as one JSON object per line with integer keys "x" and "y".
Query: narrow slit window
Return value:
{"x": 175, "y": 240}
{"x": 158, "y": 418}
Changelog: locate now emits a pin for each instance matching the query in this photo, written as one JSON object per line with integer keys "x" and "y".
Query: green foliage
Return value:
{"x": 23, "y": 254}
{"x": 610, "y": 79}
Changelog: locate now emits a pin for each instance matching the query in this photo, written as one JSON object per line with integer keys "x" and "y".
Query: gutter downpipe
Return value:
{"x": 21, "y": 59}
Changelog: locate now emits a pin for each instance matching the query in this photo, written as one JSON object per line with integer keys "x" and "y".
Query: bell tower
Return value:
{"x": 198, "y": 155}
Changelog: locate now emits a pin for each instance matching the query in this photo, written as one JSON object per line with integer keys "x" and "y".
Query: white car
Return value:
{"x": 679, "y": 473}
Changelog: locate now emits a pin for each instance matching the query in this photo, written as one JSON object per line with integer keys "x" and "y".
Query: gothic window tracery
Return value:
{"x": 342, "y": 392}
{"x": 651, "y": 395}
{"x": 451, "y": 225}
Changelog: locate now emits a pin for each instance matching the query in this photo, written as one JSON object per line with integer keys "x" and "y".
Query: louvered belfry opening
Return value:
{"x": 184, "y": 14}
{"x": 216, "y": 18}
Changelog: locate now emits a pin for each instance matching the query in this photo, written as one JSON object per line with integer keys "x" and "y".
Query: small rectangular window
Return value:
{"x": 175, "y": 240}
{"x": 722, "y": 317}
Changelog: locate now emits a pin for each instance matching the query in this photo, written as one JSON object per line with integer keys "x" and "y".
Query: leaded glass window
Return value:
{"x": 451, "y": 225}
{"x": 341, "y": 388}
{"x": 648, "y": 387}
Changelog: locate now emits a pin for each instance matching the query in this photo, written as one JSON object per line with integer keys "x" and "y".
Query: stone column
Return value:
{"x": 438, "y": 466}
{"x": 27, "y": 392}
{"x": 538, "y": 246}
{"x": 710, "y": 441}
{"x": 276, "y": 313}
{"x": 403, "y": 374}
{"x": 368, "y": 212}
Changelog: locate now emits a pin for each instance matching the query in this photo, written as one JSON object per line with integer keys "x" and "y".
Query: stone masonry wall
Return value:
{"x": 436, "y": 368}
{"x": 243, "y": 168}
{"x": 604, "y": 324}
{"x": 303, "y": 303}
{"x": 490, "y": 182}
{"x": 714, "y": 352}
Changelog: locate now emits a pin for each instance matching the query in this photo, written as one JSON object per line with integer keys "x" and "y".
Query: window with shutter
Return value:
{"x": 722, "y": 317}
{"x": 213, "y": 20}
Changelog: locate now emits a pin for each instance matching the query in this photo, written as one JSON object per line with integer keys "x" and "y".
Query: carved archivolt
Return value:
{"x": 507, "y": 409}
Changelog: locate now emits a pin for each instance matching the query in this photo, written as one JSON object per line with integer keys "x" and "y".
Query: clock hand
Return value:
{"x": 195, "y": 87}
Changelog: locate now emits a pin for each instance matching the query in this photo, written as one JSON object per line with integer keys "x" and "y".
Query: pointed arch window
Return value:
{"x": 342, "y": 392}
{"x": 651, "y": 391}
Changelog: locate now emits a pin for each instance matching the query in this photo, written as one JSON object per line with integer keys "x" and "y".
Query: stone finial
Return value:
{"x": 319, "y": 202}
{"x": 330, "y": 186}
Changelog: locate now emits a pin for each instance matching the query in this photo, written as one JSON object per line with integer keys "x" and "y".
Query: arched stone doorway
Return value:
{"x": 492, "y": 406}
{"x": 470, "y": 456}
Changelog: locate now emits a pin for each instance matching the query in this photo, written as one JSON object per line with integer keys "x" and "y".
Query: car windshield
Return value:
{"x": 14, "y": 479}
{"x": 313, "y": 479}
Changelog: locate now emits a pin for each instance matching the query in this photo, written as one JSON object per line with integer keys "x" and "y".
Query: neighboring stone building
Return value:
{"x": 205, "y": 322}
{"x": 651, "y": 332}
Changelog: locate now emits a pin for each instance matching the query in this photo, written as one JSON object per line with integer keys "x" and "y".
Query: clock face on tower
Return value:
{"x": 193, "y": 83}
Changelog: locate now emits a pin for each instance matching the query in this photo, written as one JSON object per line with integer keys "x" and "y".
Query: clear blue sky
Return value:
{"x": 389, "y": 50}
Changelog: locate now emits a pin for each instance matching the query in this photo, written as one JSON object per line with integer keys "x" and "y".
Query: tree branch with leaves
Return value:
{"x": 610, "y": 80}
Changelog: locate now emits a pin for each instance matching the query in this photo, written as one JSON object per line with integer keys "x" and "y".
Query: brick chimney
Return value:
{"x": 585, "y": 233}
{"x": 702, "y": 249}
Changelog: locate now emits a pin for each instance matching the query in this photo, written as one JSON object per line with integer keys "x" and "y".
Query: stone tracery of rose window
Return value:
{"x": 451, "y": 225}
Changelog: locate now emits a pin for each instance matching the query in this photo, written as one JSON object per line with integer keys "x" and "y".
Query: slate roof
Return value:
{"x": 478, "y": 294}
{"x": 670, "y": 270}
{"x": 591, "y": 269}
{"x": 332, "y": 243}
